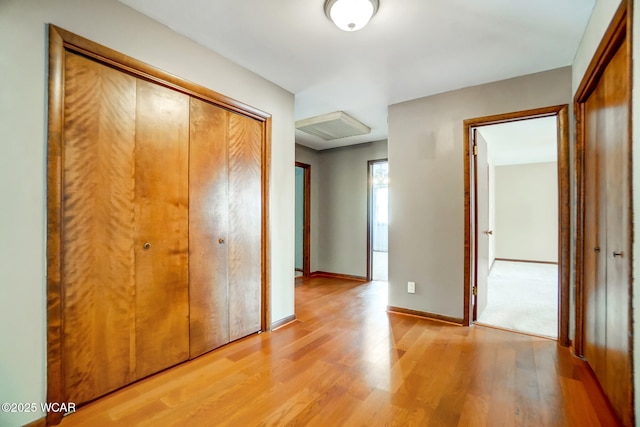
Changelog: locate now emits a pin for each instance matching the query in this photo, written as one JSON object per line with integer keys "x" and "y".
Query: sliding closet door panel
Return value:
{"x": 161, "y": 242}
{"x": 97, "y": 247}
{"x": 245, "y": 229}
{"x": 595, "y": 238}
{"x": 607, "y": 228}
{"x": 208, "y": 228}
{"x": 616, "y": 153}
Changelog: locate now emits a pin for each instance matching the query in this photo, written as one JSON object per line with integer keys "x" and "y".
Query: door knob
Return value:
{"x": 596, "y": 249}
{"x": 221, "y": 240}
{"x": 146, "y": 246}
{"x": 489, "y": 232}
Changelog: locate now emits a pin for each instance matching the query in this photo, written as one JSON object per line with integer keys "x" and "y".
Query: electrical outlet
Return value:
{"x": 411, "y": 287}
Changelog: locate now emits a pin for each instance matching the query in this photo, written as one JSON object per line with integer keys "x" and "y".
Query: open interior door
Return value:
{"x": 483, "y": 232}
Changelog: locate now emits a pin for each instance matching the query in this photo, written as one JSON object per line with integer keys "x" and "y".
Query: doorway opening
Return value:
{"x": 517, "y": 212}
{"x": 378, "y": 221}
{"x": 302, "y": 220}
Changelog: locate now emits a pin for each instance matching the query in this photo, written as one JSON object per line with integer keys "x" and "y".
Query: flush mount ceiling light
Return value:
{"x": 350, "y": 15}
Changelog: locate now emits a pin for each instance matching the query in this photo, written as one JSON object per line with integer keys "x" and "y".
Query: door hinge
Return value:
{"x": 475, "y": 150}
{"x": 475, "y": 291}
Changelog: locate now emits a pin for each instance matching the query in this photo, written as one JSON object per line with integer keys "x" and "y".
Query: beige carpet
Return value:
{"x": 523, "y": 296}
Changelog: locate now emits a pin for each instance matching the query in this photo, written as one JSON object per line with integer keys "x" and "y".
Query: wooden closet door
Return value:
{"x": 617, "y": 157}
{"x": 607, "y": 226}
{"x": 208, "y": 228}
{"x": 245, "y": 225}
{"x": 595, "y": 237}
{"x": 98, "y": 297}
{"x": 162, "y": 226}
{"x": 118, "y": 219}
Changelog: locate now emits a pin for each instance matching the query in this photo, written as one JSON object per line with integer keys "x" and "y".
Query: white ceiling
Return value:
{"x": 525, "y": 141}
{"x": 410, "y": 49}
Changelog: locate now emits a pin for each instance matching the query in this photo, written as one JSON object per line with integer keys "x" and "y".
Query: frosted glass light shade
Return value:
{"x": 350, "y": 15}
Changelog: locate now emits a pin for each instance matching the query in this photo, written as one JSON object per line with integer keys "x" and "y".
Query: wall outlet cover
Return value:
{"x": 411, "y": 287}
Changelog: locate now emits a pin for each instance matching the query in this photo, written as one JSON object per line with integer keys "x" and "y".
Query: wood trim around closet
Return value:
{"x": 619, "y": 28}
{"x": 122, "y": 62}
{"x": 55, "y": 376}
{"x": 618, "y": 34}
{"x": 60, "y": 42}
{"x": 266, "y": 234}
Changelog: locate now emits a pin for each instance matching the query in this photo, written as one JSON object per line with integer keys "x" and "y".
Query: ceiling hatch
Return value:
{"x": 333, "y": 126}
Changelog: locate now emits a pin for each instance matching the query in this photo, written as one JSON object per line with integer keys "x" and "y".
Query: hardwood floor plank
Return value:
{"x": 474, "y": 411}
{"x": 551, "y": 398}
{"x": 373, "y": 411}
{"x": 346, "y": 362}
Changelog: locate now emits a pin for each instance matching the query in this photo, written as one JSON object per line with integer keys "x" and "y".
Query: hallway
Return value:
{"x": 347, "y": 362}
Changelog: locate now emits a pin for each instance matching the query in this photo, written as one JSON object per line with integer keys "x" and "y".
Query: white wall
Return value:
{"x": 339, "y": 206}
{"x": 342, "y": 244}
{"x": 600, "y": 18}
{"x": 526, "y": 211}
{"x": 426, "y": 230}
{"x": 23, "y": 98}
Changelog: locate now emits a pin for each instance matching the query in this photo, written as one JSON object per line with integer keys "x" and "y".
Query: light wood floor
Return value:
{"x": 345, "y": 361}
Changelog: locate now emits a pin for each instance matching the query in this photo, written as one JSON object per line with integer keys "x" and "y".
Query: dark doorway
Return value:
{"x": 302, "y": 219}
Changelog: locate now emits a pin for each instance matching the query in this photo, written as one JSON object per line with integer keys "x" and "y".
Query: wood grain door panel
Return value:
{"x": 245, "y": 226}
{"x": 606, "y": 276}
{"x": 98, "y": 256}
{"x": 595, "y": 240}
{"x": 118, "y": 194}
{"x": 616, "y": 154}
{"x": 161, "y": 208}
{"x": 208, "y": 228}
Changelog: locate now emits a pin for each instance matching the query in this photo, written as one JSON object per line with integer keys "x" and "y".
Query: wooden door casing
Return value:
{"x": 564, "y": 201}
{"x": 306, "y": 222}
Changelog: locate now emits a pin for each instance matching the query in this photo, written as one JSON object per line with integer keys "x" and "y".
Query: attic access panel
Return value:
{"x": 333, "y": 126}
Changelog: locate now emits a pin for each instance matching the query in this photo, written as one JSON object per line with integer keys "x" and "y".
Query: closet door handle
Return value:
{"x": 596, "y": 249}
{"x": 617, "y": 254}
{"x": 221, "y": 240}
